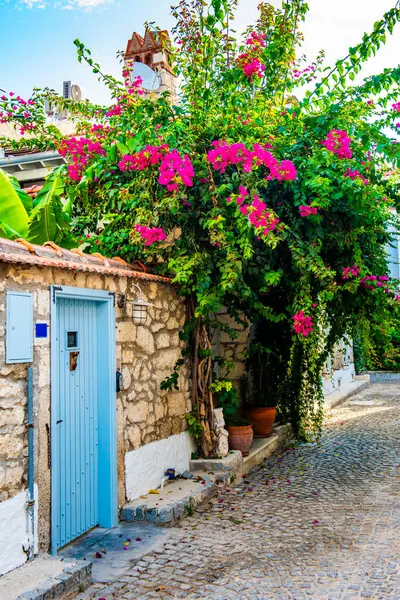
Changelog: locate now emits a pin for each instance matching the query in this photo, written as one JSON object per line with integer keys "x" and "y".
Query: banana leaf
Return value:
{"x": 14, "y": 207}
{"x": 48, "y": 219}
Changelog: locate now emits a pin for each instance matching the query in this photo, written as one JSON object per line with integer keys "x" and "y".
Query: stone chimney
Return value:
{"x": 152, "y": 50}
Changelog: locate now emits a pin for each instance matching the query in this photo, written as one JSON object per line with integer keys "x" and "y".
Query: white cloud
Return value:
{"x": 34, "y": 3}
{"x": 65, "y": 4}
{"x": 87, "y": 3}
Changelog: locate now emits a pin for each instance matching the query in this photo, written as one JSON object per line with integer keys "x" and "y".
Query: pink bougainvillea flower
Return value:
{"x": 150, "y": 235}
{"x": 287, "y": 170}
{"x": 254, "y": 68}
{"x": 338, "y": 142}
{"x": 347, "y": 271}
{"x": 223, "y": 155}
{"x": 81, "y": 151}
{"x": 355, "y": 174}
{"x": 302, "y": 325}
{"x": 395, "y": 106}
{"x": 307, "y": 211}
{"x": 175, "y": 169}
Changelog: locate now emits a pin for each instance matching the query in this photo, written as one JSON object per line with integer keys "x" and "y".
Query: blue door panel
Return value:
{"x": 77, "y": 420}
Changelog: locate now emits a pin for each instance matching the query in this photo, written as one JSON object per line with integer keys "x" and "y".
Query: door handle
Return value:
{"x": 73, "y": 360}
{"x": 60, "y": 421}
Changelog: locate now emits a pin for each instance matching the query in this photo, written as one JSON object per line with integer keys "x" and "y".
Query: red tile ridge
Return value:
{"x": 50, "y": 255}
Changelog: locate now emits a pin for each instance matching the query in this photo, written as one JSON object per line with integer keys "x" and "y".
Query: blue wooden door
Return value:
{"x": 76, "y": 419}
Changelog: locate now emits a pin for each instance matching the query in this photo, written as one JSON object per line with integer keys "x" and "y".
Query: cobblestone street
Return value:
{"x": 317, "y": 521}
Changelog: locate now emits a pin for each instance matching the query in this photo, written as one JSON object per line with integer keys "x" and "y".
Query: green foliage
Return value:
{"x": 195, "y": 427}
{"x": 48, "y": 220}
{"x": 377, "y": 344}
{"x": 171, "y": 382}
{"x": 45, "y": 219}
{"x": 226, "y": 397}
{"x": 217, "y": 257}
{"x": 14, "y": 208}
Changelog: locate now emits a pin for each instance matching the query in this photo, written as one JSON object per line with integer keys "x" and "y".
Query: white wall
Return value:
{"x": 15, "y": 532}
{"x": 339, "y": 379}
{"x": 146, "y": 466}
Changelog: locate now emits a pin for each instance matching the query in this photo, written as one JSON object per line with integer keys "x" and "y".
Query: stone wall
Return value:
{"x": 232, "y": 350}
{"x": 13, "y": 433}
{"x": 339, "y": 369}
{"x": 145, "y": 354}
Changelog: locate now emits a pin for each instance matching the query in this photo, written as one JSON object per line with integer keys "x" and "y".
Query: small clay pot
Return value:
{"x": 262, "y": 419}
{"x": 240, "y": 438}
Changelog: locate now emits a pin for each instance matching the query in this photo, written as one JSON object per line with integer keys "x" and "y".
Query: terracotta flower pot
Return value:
{"x": 240, "y": 438}
{"x": 262, "y": 420}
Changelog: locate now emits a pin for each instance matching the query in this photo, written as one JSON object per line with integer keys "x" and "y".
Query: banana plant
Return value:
{"x": 49, "y": 221}
{"x": 15, "y": 207}
{"x": 44, "y": 219}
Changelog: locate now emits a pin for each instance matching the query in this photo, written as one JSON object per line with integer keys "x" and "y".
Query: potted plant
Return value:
{"x": 240, "y": 430}
{"x": 262, "y": 418}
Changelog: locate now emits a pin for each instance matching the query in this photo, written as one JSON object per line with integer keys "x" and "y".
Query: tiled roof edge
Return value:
{"x": 24, "y": 253}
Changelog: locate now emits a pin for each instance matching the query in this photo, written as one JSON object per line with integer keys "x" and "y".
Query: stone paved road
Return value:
{"x": 318, "y": 521}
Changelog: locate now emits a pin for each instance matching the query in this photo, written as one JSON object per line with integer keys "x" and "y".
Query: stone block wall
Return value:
{"x": 13, "y": 433}
{"x": 338, "y": 371}
{"x": 232, "y": 350}
{"x": 145, "y": 354}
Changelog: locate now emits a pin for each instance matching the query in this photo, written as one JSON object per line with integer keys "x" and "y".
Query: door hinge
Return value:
{"x": 48, "y": 446}
{"x": 56, "y": 288}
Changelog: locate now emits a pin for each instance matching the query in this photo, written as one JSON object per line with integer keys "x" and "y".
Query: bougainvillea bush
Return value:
{"x": 266, "y": 189}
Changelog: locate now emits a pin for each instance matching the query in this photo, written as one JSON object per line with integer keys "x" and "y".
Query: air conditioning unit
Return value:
{"x": 67, "y": 89}
{"x": 72, "y": 90}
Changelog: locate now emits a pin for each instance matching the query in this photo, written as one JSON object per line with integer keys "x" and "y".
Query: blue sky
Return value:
{"x": 36, "y": 36}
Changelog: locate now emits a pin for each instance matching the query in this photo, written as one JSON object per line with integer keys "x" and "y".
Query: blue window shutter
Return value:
{"x": 19, "y": 334}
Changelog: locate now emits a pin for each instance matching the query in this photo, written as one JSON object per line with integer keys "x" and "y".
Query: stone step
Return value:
{"x": 46, "y": 577}
{"x": 338, "y": 397}
{"x": 231, "y": 463}
{"x": 178, "y": 499}
{"x": 261, "y": 448}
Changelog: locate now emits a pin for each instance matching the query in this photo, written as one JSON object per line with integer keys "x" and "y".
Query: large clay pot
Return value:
{"x": 240, "y": 438}
{"x": 262, "y": 420}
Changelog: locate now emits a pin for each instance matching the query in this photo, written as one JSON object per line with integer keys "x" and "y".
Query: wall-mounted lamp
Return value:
{"x": 139, "y": 307}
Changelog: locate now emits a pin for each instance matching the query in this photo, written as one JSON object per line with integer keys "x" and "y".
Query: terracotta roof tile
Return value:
{"x": 50, "y": 255}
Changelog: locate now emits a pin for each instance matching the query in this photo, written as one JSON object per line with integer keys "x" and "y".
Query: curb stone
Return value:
{"x": 75, "y": 578}
{"x": 176, "y": 510}
{"x": 349, "y": 394}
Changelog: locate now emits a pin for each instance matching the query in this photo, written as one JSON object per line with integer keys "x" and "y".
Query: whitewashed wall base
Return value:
{"x": 146, "y": 466}
{"x": 339, "y": 380}
{"x": 15, "y": 532}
